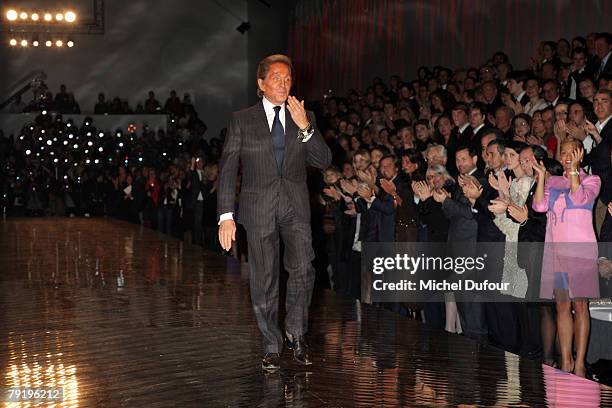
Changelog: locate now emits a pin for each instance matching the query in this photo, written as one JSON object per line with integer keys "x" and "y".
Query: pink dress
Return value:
{"x": 570, "y": 251}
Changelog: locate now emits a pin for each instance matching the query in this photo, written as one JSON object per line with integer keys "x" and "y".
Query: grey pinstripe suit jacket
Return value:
{"x": 248, "y": 144}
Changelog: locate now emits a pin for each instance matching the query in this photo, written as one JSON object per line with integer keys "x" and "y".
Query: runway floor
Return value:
{"x": 121, "y": 316}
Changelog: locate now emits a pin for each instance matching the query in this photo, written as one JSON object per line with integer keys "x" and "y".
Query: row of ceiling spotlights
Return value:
{"x": 13, "y": 42}
{"x": 14, "y": 15}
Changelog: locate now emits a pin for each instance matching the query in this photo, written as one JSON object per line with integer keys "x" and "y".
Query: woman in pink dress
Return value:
{"x": 569, "y": 265}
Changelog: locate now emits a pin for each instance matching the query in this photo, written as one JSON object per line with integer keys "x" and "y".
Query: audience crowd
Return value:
{"x": 494, "y": 153}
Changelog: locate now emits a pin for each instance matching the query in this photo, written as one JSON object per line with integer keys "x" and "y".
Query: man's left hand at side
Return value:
{"x": 298, "y": 112}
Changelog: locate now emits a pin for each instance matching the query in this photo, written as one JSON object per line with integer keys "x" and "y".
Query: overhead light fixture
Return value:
{"x": 48, "y": 43}
{"x": 59, "y": 43}
{"x": 48, "y": 17}
{"x": 70, "y": 16}
{"x": 244, "y": 27}
{"x": 24, "y": 43}
{"x": 23, "y": 15}
{"x": 59, "y": 17}
{"x": 11, "y": 15}
{"x": 34, "y": 16}
{"x": 70, "y": 43}
{"x": 35, "y": 43}
{"x": 13, "y": 42}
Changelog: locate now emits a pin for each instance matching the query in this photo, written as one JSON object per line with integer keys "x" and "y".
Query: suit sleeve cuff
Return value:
{"x": 226, "y": 216}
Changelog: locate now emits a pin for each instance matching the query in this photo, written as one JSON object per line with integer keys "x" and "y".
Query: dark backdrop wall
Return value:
{"x": 339, "y": 45}
{"x": 187, "y": 45}
{"x": 268, "y": 35}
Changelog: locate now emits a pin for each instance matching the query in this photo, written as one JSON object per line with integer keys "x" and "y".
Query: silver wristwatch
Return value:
{"x": 302, "y": 134}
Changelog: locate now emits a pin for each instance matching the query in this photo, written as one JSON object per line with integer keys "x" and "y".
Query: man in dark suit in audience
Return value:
{"x": 478, "y": 122}
{"x": 581, "y": 71}
{"x": 461, "y": 119}
{"x": 194, "y": 202}
{"x": 603, "y": 49}
{"x": 529, "y": 255}
{"x": 599, "y": 159}
{"x": 463, "y": 230}
{"x": 273, "y": 141}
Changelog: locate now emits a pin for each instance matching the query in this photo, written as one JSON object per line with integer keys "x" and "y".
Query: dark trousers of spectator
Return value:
{"x": 435, "y": 314}
{"x": 211, "y": 238}
{"x": 605, "y": 235}
{"x": 473, "y": 320}
{"x": 530, "y": 327}
{"x": 504, "y": 325}
{"x": 355, "y": 274}
{"x": 149, "y": 215}
{"x": 166, "y": 215}
{"x": 198, "y": 219}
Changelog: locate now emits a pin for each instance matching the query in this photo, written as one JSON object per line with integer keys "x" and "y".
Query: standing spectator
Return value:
{"x": 569, "y": 271}
{"x": 151, "y": 104}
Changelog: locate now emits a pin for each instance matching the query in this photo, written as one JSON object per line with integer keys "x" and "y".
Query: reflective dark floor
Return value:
{"x": 120, "y": 316}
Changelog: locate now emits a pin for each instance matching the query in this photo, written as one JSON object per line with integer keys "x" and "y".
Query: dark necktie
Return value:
{"x": 278, "y": 138}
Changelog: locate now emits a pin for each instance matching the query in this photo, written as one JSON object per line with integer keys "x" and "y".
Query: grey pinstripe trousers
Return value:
{"x": 264, "y": 268}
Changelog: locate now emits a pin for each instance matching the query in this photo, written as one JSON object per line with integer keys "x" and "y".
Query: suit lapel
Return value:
{"x": 262, "y": 130}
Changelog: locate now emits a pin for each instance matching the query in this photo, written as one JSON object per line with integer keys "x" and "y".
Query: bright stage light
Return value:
{"x": 35, "y": 43}
{"x": 48, "y": 17}
{"x": 48, "y": 43}
{"x": 23, "y": 15}
{"x": 70, "y": 43}
{"x": 11, "y": 15}
{"x": 59, "y": 43}
{"x": 59, "y": 17}
{"x": 70, "y": 16}
{"x": 13, "y": 42}
{"x": 24, "y": 43}
{"x": 34, "y": 16}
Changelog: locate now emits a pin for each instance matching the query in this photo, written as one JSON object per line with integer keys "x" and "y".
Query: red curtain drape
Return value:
{"x": 343, "y": 44}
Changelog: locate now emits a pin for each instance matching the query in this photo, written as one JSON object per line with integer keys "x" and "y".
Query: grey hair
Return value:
{"x": 441, "y": 149}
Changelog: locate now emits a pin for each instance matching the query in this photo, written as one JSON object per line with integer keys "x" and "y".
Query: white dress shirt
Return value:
{"x": 600, "y": 125}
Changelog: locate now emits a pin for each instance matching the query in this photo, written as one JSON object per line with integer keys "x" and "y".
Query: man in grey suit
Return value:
{"x": 273, "y": 149}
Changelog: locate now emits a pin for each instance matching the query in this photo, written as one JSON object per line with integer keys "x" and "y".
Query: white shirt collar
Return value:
{"x": 478, "y": 128}
{"x": 465, "y": 126}
{"x": 269, "y": 109}
{"x": 520, "y": 96}
{"x": 605, "y": 59}
{"x": 600, "y": 125}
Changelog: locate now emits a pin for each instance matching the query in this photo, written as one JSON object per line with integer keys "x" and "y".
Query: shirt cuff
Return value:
{"x": 307, "y": 138}
{"x": 226, "y": 216}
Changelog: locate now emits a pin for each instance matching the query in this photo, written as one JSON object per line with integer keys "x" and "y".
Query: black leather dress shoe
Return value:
{"x": 270, "y": 362}
{"x": 300, "y": 348}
